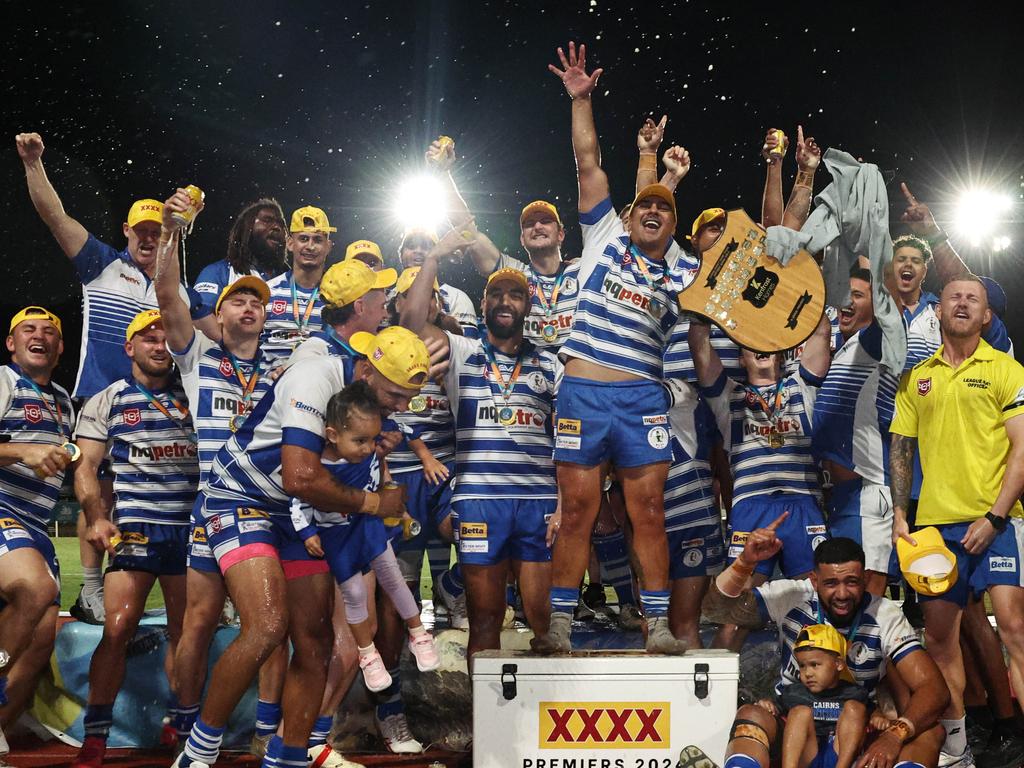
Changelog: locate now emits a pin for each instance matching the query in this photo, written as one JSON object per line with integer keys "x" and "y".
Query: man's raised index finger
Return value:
{"x": 907, "y": 193}
{"x": 778, "y": 521}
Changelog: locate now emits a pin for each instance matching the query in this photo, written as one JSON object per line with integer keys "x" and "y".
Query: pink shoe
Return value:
{"x": 375, "y": 674}
{"x": 91, "y": 753}
{"x": 423, "y": 648}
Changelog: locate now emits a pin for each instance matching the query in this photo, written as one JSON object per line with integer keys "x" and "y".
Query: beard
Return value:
{"x": 266, "y": 255}
{"x": 498, "y": 330}
{"x": 154, "y": 369}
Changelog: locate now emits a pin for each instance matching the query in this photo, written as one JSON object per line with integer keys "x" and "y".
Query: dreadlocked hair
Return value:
{"x": 240, "y": 256}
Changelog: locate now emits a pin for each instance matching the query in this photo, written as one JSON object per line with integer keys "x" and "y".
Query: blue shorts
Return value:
{"x": 800, "y": 533}
{"x": 862, "y": 511}
{"x": 14, "y": 534}
{"x": 428, "y": 504}
{"x": 348, "y": 549}
{"x": 1000, "y": 564}
{"x": 236, "y": 533}
{"x": 200, "y": 556}
{"x": 490, "y": 531}
{"x": 152, "y": 548}
{"x": 625, "y": 422}
{"x": 827, "y": 756}
{"x": 696, "y": 551}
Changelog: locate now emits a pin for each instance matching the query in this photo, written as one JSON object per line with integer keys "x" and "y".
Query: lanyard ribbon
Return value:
{"x": 768, "y": 411}
{"x": 548, "y": 305}
{"x": 163, "y": 409}
{"x": 341, "y": 343}
{"x": 506, "y": 387}
{"x": 854, "y": 626}
{"x": 302, "y": 321}
{"x": 638, "y": 259}
{"x": 58, "y": 415}
{"x": 248, "y": 385}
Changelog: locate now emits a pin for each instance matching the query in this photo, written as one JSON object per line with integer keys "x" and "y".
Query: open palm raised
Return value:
{"x": 574, "y": 72}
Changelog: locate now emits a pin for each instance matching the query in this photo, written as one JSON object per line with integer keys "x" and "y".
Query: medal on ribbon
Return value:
{"x": 506, "y": 415}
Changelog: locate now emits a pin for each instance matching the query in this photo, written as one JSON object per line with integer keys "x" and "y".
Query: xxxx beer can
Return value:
{"x": 186, "y": 217}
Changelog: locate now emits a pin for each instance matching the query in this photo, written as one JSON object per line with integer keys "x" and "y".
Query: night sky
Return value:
{"x": 333, "y": 103}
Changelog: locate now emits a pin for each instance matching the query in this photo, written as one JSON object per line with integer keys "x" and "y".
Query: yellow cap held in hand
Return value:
{"x": 930, "y": 567}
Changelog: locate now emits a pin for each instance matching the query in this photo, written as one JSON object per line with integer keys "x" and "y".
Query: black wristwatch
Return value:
{"x": 999, "y": 523}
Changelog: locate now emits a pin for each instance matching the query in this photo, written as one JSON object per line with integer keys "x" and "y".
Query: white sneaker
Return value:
{"x": 326, "y": 756}
{"x": 183, "y": 761}
{"x": 375, "y": 674}
{"x": 456, "y": 606}
{"x": 966, "y": 760}
{"x": 396, "y": 734}
{"x": 89, "y": 608}
{"x": 425, "y": 652}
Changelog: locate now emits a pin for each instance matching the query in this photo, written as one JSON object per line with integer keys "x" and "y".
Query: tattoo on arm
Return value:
{"x": 901, "y": 469}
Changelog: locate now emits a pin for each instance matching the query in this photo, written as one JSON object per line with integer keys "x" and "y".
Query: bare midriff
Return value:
{"x": 585, "y": 369}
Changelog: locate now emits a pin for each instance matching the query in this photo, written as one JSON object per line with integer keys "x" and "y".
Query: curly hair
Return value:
{"x": 913, "y": 241}
{"x": 240, "y": 256}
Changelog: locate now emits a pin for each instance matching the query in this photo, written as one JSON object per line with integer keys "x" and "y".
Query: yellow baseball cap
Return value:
{"x": 397, "y": 353}
{"x": 146, "y": 210}
{"x": 540, "y": 205}
{"x": 508, "y": 273}
{"x": 310, "y": 219}
{"x": 930, "y": 567}
{"x": 141, "y": 322}
{"x": 706, "y": 217}
{"x": 347, "y": 281}
{"x": 405, "y": 280}
{"x": 822, "y": 637}
{"x": 246, "y": 282}
{"x": 363, "y": 246}
{"x": 41, "y": 312}
{"x": 659, "y": 191}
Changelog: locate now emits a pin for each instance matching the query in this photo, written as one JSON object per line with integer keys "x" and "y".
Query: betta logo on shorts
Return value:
{"x": 226, "y": 367}
{"x": 132, "y": 416}
{"x": 33, "y": 413}
{"x": 278, "y": 306}
{"x": 604, "y": 725}
{"x": 924, "y": 386}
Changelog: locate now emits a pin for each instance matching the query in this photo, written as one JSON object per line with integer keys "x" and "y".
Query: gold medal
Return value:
{"x": 73, "y": 451}
{"x": 506, "y": 416}
{"x": 418, "y": 404}
{"x": 237, "y": 421}
{"x": 775, "y": 440}
{"x": 549, "y": 332}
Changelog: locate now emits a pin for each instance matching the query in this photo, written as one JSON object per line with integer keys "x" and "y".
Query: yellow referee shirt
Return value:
{"x": 957, "y": 417}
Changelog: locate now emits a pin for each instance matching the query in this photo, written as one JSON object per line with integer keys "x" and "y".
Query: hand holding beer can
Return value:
{"x": 196, "y": 197}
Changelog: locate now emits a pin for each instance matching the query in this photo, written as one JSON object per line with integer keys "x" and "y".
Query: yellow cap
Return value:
{"x": 397, "y": 353}
{"x": 247, "y": 282}
{"x": 656, "y": 190}
{"x": 310, "y": 219}
{"x": 823, "y": 637}
{"x": 706, "y": 217}
{"x": 146, "y": 210}
{"x": 363, "y": 246}
{"x": 347, "y": 281}
{"x": 428, "y": 233}
{"x": 508, "y": 273}
{"x": 930, "y": 567}
{"x": 405, "y": 280}
{"x": 540, "y": 205}
{"x": 41, "y": 312}
{"x": 141, "y": 322}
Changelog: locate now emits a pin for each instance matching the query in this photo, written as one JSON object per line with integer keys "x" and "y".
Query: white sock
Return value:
{"x": 956, "y": 736}
{"x": 371, "y": 648}
{"x": 92, "y": 580}
{"x": 417, "y": 631}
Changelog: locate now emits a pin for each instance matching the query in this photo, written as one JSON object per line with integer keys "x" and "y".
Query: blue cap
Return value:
{"x": 996, "y": 296}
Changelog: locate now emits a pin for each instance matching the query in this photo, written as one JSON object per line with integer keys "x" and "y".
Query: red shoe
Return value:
{"x": 91, "y": 753}
{"x": 168, "y": 734}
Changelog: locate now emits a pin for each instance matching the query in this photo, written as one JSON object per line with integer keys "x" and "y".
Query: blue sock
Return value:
{"x": 268, "y": 717}
{"x": 908, "y": 764}
{"x": 654, "y": 603}
{"x": 389, "y": 701}
{"x": 451, "y": 580}
{"x": 741, "y": 761}
{"x": 203, "y": 743}
{"x": 289, "y": 757}
{"x": 98, "y": 720}
{"x": 613, "y": 556}
{"x": 510, "y": 594}
{"x": 184, "y": 719}
{"x": 321, "y": 730}
{"x": 564, "y": 599}
{"x": 3, "y": 691}
{"x": 273, "y": 751}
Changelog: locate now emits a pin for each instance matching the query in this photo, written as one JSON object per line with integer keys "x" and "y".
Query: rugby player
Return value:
{"x": 143, "y": 425}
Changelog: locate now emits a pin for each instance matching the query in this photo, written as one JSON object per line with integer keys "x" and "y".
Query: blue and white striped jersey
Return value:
{"x": 434, "y": 425}
{"x": 114, "y": 291}
{"x": 492, "y": 460}
{"x": 366, "y": 475}
{"x": 215, "y": 393}
{"x": 213, "y": 279}
{"x": 27, "y": 418}
{"x": 791, "y": 357}
{"x": 689, "y": 495}
{"x": 247, "y": 470}
{"x": 923, "y": 334}
{"x": 154, "y": 458}
{"x": 323, "y": 342}
{"x": 855, "y": 406}
{"x": 456, "y": 302}
{"x": 282, "y": 333}
{"x": 757, "y": 468}
{"x": 622, "y": 322}
{"x": 563, "y": 309}
{"x": 679, "y": 362}
{"x": 882, "y": 636}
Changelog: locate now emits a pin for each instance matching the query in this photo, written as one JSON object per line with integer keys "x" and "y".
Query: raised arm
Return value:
{"x": 772, "y": 206}
{"x": 918, "y": 217}
{"x": 579, "y": 85}
{"x": 70, "y": 235}
{"x": 416, "y": 306}
{"x": 677, "y": 165}
{"x": 705, "y": 360}
{"x": 817, "y": 354}
{"x": 648, "y": 139}
{"x": 174, "y": 312}
{"x": 808, "y": 157}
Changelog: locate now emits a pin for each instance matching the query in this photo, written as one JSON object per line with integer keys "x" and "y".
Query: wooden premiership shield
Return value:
{"x": 760, "y": 304}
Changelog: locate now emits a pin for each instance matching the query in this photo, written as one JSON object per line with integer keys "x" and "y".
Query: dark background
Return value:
{"x": 332, "y": 103}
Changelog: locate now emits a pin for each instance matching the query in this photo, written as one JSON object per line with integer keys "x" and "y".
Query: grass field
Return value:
{"x": 71, "y": 576}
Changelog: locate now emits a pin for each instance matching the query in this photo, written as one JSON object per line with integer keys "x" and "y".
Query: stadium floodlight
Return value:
{"x": 420, "y": 203}
{"x": 1001, "y": 243}
{"x": 979, "y": 212}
